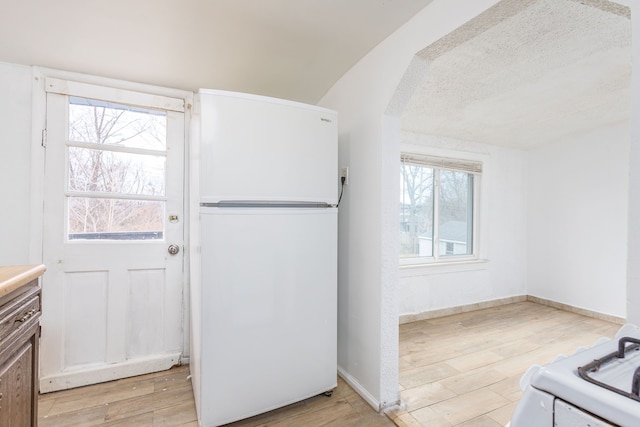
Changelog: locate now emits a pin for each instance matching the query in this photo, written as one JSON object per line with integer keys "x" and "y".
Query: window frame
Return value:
{"x": 438, "y": 164}
{"x": 72, "y": 193}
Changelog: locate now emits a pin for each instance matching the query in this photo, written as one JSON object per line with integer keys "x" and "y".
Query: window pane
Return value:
{"x": 115, "y": 219}
{"x": 102, "y": 122}
{"x": 416, "y": 211}
{"x": 114, "y": 172}
{"x": 456, "y": 213}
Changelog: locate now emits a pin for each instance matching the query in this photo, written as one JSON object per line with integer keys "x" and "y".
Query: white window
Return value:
{"x": 438, "y": 199}
{"x": 116, "y": 157}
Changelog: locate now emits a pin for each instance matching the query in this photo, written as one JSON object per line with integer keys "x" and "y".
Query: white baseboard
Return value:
{"x": 94, "y": 374}
{"x": 375, "y": 404}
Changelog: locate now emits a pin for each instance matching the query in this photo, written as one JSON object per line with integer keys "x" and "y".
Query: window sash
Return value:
{"x": 130, "y": 203}
{"x": 439, "y": 164}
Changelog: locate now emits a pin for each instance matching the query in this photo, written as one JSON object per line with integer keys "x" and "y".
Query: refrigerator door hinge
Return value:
{"x": 44, "y": 138}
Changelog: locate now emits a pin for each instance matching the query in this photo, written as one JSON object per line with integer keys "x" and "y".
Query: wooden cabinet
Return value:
{"x": 19, "y": 336}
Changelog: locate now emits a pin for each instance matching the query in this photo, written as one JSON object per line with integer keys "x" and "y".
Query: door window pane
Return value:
{"x": 115, "y": 172}
{"x": 115, "y": 150}
{"x": 107, "y": 123}
{"x": 92, "y": 218}
{"x": 455, "y": 213}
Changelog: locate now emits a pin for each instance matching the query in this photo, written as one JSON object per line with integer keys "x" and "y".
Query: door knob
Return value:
{"x": 173, "y": 249}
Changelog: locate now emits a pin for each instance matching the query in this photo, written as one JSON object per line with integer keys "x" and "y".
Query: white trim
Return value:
{"x": 91, "y": 374}
{"x": 38, "y": 126}
{"x": 45, "y": 73}
{"x": 450, "y": 266}
{"x": 375, "y": 404}
{"x": 436, "y": 258}
{"x": 117, "y": 196}
{"x": 117, "y": 148}
{"x": 105, "y": 93}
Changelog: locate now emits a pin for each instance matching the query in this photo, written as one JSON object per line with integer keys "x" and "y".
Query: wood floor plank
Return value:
{"x": 503, "y": 415}
{"x": 468, "y": 406}
{"x": 428, "y": 417}
{"x": 425, "y": 395}
{"x": 413, "y": 377}
{"x": 490, "y": 349}
{"x": 180, "y": 414}
{"x": 472, "y": 380}
{"x": 87, "y": 417}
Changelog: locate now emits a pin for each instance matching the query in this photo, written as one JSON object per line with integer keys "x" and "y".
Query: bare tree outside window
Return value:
{"x": 115, "y": 153}
{"x": 416, "y": 207}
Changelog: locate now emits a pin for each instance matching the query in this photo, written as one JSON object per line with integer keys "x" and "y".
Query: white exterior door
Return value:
{"x": 113, "y": 208}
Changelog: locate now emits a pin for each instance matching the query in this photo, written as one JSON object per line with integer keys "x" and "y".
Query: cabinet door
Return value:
{"x": 16, "y": 388}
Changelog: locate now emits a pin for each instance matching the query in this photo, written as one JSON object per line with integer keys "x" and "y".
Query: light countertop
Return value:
{"x": 14, "y": 276}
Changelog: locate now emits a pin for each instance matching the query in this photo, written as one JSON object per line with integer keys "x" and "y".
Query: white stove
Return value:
{"x": 594, "y": 387}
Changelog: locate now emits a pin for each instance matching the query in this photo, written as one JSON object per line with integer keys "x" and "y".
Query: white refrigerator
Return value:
{"x": 264, "y": 308}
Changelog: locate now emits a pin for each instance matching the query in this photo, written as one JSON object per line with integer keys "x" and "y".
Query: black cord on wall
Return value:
{"x": 342, "y": 180}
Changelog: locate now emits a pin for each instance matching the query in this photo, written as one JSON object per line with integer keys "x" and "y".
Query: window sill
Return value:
{"x": 425, "y": 269}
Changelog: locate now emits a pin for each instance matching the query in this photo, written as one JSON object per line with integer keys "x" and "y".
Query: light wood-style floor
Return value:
{"x": 464, "y": 370}
{"x": 166, "y": 399}
{"x": 158, "y": 399}
{"x": 460, "y": 370}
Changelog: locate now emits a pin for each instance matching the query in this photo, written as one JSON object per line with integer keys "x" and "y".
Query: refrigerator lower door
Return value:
{"x": 269, "y": 288}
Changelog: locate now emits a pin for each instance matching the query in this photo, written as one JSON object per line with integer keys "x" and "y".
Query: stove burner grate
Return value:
{"x": 595, "y": 366}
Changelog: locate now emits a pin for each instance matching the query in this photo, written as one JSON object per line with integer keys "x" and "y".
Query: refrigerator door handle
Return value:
{"x": 266, "y": 204}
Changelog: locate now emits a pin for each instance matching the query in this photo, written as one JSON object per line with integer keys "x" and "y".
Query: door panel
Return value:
{"x": 145, "y": 313}
{"x": 85, "y": 318}
{"x": 112, "y": 294}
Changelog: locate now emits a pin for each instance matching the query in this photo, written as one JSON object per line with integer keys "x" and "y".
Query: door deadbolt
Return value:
{"x": 173, "y": 249}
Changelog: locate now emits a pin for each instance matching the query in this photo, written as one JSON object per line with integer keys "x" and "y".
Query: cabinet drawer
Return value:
{"x": 15, "y": 316}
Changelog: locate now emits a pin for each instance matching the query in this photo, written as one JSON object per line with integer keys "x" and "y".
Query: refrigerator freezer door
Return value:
{"x": 268, "y": 309}
{"x": 258, "y": 148}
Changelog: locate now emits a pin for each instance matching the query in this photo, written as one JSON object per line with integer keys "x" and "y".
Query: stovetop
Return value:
{"x": 562, "y": 379}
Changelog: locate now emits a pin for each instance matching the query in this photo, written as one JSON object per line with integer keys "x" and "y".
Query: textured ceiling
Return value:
{"x": 295, "y": 49}
{"x": 524, "y": 73}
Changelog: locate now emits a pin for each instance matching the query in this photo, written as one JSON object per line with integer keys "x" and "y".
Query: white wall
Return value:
{"x": 368, "y": 256}
{"x": 633, "y": 235}
{"x": 501, "y": 239}
{"x": 577, "y": 220}
{"x": 15, "y": 160}
{"x": 368, "y": 286}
